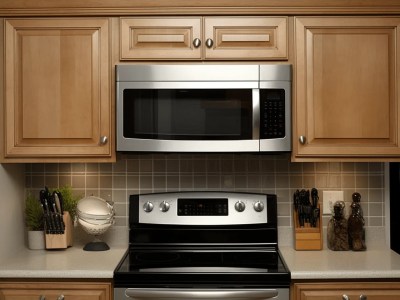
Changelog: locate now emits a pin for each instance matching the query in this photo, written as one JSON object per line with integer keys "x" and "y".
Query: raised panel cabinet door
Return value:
{"x": 57, "y": 88}
{"x": 246, "y": 38}
{"x": 347, "y": 291}
{"x": 347, "y": 87}
{"x": 55, "y": 290}
{"x": 160, "y": 38}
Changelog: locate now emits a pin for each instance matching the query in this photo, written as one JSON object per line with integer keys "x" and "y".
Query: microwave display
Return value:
{"x": 188, "y": 114}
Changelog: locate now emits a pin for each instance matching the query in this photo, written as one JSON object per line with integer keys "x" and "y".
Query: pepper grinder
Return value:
{"x": 356, "y": 225}
{"x": 337, "y": 229}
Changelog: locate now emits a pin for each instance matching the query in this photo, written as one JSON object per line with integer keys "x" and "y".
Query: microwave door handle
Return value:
{"x": 159, "y": 294}
{"x": 256, "y": 113}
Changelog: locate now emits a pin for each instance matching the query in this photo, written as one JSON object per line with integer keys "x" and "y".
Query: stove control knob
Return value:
{"x": 258, "y": 206}
{"x": 148, "y": 206}
{"x": 164, "y": 206}
{"x": 240, "y": 206}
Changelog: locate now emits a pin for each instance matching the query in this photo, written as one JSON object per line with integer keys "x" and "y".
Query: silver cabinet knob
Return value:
{"x": 41, "y": 297}
{"x": 345, "y": 297}
{"x": 302, "y": 139}
{"x": 363, "y": 297}
{"x": 240, "y": 206}
{"x": 103, "y": 140}
{"x": 196, "y": 42}
{"x": 61, "y": 297}
{"x": 258, "y": 206}
{"x": 148, "y": 206}
{"x": 209, "y": 43}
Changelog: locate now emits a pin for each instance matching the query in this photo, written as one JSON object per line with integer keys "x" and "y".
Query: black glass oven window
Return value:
{"x": 188, "y": 114}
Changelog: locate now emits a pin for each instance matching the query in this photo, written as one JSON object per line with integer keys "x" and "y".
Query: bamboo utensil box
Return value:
{"x": 61, "y": 241}
{"x": 307, "y": 237}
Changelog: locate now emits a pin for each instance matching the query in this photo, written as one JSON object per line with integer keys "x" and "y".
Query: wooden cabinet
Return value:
{"x": 213, "y": 38}
{"x": 347, "y": 88}
{"x": 55, "y": 291}
{"x": 346, "y": 291}
{"x": 57, "y": 100}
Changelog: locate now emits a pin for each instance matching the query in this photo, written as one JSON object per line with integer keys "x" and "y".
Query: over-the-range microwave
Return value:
{"x": 203, "y": 107}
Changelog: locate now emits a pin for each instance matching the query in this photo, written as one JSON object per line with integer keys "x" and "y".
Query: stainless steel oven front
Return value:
{"x": 202, "y": 245}
{"x": 203, "y": 108}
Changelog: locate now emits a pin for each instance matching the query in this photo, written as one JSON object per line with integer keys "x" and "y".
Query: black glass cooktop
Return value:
{"x": 202, "y": 266}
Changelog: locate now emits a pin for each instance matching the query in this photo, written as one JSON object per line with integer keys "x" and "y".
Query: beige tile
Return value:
{"x": 321, "y": 180}
{"x": 119, "y": 181}
{"x": 186, "y": 166}
{"x": 282, "y": 181}
{"x": 227, "y": 165}
{"x": 78, "y": 168}
{"x": 199, "y": 166}
{"x": 268, "y": 181}
{"x": 51, "y": 181}
{"x": 38, "y": 181}
{"x": 213, "y": 181}
{"x": 375, "y": 181}
{"x": 309, "y": 181}
{"x": 172, "y": 182}
{"x": 119, "y": 166}
{"x": 348, "y": 181}
{"x": 146, "y": 182}
{"x": 106, "y": 181}
{"x": 92, "y": 168}
{"x": 309, "y": 168}
{"x": 268, "y": 166}
{"x": 51, "y": 168}
{"x": 254, "y": 182}
{"x": 38, "y": 168}
{"x": 145, "y": 166}
{"x": 92, "y": 181}
{"x": 296, "y": 181}
{"x": 133, "y": 165}
{"x": 295, "y": 168}
{"x": 199, "y": 182}
{"x": 240, "y": 181}
{"x": 375, "y": 209}
{"x": 186, "y": 182}
{"x": 228, "y": 181}
{"x": 335, "y": 167}
{"x": 361, "y": 181}
{"x": 78, "y": 181}
{"x": 240, "y": 165}
{"x": 322, "y": 167}
{"x": 160, "y": 182}
{"x": 159, "y": 166}
{"x": 105, "y": 168}
{"x": 173, "y": 166}
{"x": 334, "y": 181}
{"x": 348, "y": 167}
{"x": 65, "y": 180}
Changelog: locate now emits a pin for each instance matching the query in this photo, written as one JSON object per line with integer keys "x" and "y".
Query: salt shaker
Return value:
{"x": 356, "y": 225}
{"x": 337, "y": 229}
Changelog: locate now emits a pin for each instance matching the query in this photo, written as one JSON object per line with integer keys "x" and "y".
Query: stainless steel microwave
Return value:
{"x": 203, "y": 108}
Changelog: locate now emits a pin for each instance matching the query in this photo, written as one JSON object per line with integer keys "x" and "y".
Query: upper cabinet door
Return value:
{"x": 246, "y": 38}
{"x": 222, "y": 38}
{"x": 347, "y": 88}
{"x": 57, "y": 89}
{"x": 160, "y": 38}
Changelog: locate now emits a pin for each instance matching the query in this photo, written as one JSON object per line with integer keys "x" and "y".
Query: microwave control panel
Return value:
{"x": 272, "y": 113}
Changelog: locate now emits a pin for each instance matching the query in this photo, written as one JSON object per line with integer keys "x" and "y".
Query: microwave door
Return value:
{"x": 188, "y": 117}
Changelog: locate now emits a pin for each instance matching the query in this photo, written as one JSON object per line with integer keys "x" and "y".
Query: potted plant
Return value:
{"x": 34, "y": 222}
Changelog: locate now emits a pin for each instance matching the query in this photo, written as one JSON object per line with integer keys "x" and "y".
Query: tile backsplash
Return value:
{"x": 149, "y": 173}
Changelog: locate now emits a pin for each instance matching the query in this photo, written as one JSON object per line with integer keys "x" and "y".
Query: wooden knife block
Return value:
{"x": 61, "y": 241}
{"x": 307, "y": 237}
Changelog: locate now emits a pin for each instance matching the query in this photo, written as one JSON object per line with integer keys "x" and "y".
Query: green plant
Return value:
{"x": 70, "y": 201}
{"x": 33, "y": 214}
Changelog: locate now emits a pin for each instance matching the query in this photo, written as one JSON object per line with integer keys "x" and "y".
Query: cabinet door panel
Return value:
{"x": 346, "y": 94}
{"x": 335, "y": 291}
{"x": 58, "y": 101}
{"x": 160, "y": 38}
{"x": 246, "y": 38}
{"x": 53, "y": 290}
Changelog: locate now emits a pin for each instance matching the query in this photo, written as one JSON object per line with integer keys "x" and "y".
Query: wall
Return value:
{"x": 148, "y": 173}
{"x": 12, "y": 228}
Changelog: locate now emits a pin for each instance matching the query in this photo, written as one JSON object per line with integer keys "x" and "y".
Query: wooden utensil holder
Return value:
{"x": 307, "y": 237}
{"x": 61, "y": 241}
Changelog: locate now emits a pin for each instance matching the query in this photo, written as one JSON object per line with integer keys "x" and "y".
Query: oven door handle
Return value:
{"x": 159, "y": 294}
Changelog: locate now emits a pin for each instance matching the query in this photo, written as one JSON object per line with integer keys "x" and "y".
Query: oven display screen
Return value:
{"x": 202, "y": 207}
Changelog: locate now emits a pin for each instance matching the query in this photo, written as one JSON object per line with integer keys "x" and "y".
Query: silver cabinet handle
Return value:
{"x": 41, "y": 297}
{"x": 196, "y": 42}
{"x": 159, "y": 294}
{"x": 345, "y": 297}
{"x": 209, "y": 43}
{"x": 103, "y": 140}
{"x": 302, "y": 139}
{"x": 61, "y": 297}
{"x": 363, "y": 297}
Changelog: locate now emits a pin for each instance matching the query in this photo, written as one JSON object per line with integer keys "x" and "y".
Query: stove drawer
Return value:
{"x": 200, "y": 294}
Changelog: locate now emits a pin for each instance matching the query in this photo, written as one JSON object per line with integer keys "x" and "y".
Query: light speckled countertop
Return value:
{"x": 69, "y": 263}
{"x": 327, "y": 264}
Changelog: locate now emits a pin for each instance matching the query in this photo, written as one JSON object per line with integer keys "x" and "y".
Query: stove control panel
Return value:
{"x": 203, "y": 208}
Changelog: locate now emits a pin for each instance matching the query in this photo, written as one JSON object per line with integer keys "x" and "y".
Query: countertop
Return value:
{"x": 326, "y": 264}
{"x": 74, "y": 262}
